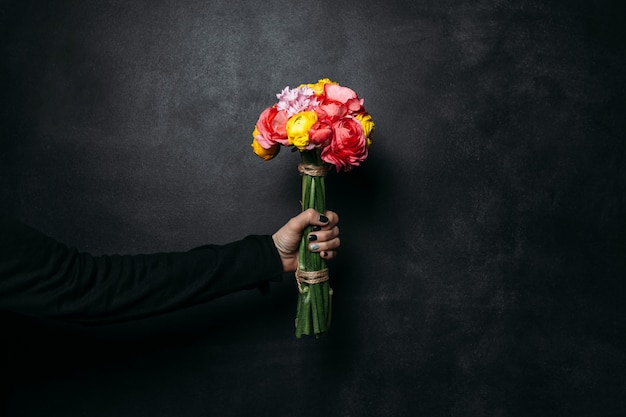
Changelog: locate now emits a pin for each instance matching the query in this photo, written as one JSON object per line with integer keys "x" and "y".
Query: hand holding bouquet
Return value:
{"x": 328, "y": 124}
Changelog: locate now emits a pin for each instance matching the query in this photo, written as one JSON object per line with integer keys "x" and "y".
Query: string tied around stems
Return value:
{"x": 311, "y": 277}
{"x": 313, "y": 170}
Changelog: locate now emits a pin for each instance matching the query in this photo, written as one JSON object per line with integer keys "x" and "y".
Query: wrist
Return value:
{"x": 288, "y": 260}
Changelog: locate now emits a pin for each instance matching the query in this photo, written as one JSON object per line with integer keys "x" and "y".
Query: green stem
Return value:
{"x": 313, "y": 302}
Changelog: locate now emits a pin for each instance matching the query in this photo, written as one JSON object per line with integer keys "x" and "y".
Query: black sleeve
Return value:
{"x": 42, "y": 277}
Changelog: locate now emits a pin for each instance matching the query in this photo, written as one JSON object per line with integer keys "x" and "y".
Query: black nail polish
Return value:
{"x": 316, "y": 228}
{"x": 323, "y": 218}
{"x": 312, "y": 237}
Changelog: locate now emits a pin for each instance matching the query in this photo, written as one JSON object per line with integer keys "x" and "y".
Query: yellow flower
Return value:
{"x": 266, "y": 154}
{"x": 298, "y": 127}
{"x": 368, "y": 126}
{"x": 319, "y": 86}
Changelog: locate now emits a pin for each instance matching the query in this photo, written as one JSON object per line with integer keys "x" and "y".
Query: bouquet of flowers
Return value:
{"x": 328, "y": 124}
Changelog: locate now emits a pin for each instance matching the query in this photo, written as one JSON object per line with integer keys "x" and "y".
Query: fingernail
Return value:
{"x": 323, "y": 218}
{"x": 316, "y": 228}
{"x": 324, "y": 254}
{"x": 312, "y": 237}
{"x": 315, "y": 246}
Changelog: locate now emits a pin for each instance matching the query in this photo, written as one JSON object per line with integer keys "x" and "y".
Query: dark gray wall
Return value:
{"x": 482, "y": 266}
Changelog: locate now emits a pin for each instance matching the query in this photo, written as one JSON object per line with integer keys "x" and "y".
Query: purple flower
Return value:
{"x": 295, "y": 100}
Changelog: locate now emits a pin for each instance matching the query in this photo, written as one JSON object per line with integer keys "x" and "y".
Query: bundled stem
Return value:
{"x": 314, "y": 299}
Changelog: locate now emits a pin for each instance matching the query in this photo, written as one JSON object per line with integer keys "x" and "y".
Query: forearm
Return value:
{"x": 41, "y": 277}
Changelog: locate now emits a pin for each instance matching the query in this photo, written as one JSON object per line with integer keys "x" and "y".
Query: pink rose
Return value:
{"x": 270, "y": 128}
{"x": 334, "y": 93}
{"x": 348, "y": 147}
{"x": 331, "y": 110}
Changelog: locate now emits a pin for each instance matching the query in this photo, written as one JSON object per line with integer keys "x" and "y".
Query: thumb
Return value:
{"x": 307, "y": 218}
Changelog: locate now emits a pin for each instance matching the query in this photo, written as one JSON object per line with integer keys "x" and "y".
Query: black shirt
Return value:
{"x": 42, "y": 277}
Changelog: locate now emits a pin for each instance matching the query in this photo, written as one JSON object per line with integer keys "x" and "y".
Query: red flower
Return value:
{"x": 270, "y": 128}
{"x": 348, "y": 147}
{"x": 338, "y": 102}
{"x": 321, "y": 133}
{"x": 331, "y": 110}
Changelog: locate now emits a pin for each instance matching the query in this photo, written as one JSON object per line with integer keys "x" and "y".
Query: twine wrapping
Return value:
{"x": 313, "y": 170}
{"x": 312, "y": 277}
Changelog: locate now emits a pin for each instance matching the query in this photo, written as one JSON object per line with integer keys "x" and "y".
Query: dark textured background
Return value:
{"x": 483, "y": 259}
